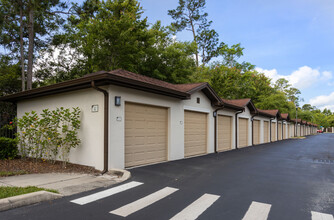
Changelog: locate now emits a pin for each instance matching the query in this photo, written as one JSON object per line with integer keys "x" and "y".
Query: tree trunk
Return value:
{"x": 23, "y": 77}
{"x": 194, "y": 35}
{"x": 30, "y": 47}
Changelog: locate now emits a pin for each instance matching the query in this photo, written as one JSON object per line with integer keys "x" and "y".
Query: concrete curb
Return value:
{"x": 27, "y": 199}
{"x": 122, "y": 174}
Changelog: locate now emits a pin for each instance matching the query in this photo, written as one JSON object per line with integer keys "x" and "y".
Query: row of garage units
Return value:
{"x": 152, "y": 136}
{"x": 130, "y": 120}
{"x": 148, "y": 132}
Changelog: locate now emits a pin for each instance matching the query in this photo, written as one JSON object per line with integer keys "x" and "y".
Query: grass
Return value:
{"x": 9, "y": 191}
{"x": 301, "y": 137}
{"x": 12, "y": 173}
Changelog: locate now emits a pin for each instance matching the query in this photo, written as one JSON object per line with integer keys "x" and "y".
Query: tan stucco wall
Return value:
{"x": 90, "y": 152}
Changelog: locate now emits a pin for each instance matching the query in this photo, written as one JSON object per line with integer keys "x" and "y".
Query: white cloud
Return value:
{"x": 324, "y": 101}
{"x": 302, "y": 78}
{"x": 326, "y": 75}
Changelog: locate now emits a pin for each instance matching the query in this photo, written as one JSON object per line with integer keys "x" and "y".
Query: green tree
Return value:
{"x": 112, "y": 34}
{"x": 277, "y": 100}
{"x": 168, "y": 59}
{"x": 230, "y": 56}
{"x": 189, "y": 15}
{"x": 9, "y": 76}
{"x": 308, "y": 107}
{"x": 292, "y": 93}
{"x": 229, "y": 83}
{"x": 27, "y": 25}
{"x": 327, "y": 112}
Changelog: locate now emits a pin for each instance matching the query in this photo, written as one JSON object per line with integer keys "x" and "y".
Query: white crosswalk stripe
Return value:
{"x": 321, "y": 216}
{"x": 196, "y": 208}
{"x": 139, "y": 204}
{"x": 257, "y": 211}
{"x": 106, "y": 193}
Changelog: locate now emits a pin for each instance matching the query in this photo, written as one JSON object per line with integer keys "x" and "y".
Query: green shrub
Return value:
{"x": 8, "y": 148}
{"x": 50, "y": 134}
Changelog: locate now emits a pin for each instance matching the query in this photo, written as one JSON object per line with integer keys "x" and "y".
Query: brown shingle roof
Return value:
{"x": 285, "y": 115}
{"x": 237, "y": 102}
{"x": 138, "y": 77}
{"x": 298, "y": 120}
{"x": 272, "y": 112}
{"x": 189, "y": 87}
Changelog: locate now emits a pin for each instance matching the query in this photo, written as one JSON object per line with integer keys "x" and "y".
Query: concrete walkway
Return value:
{"x": 65, "y": 183}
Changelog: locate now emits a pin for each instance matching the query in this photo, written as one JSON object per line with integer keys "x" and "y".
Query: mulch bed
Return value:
{"x": 31, "y": 166}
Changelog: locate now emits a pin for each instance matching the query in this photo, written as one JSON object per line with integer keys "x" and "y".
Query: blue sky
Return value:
{"x": 287, "y": 38}
{"x": 293, "y": 39}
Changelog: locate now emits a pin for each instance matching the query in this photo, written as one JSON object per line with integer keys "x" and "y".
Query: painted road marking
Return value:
{"x": 143, "y": 202}
{"x": 257, "y": 211}
{"x": 106, "y": 193}
{"x": 321, "y": 216}
{"x": 196, "y": 208}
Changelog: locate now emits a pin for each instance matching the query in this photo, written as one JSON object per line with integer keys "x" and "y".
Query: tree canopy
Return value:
{"x": 45, "y": 42}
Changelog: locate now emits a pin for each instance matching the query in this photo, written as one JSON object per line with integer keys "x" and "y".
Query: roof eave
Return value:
{"x": 208, "y": 91}
{"x": 85, "y": 82}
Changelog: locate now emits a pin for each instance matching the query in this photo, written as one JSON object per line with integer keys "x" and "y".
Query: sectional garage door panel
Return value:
{"x": 195, "y": 133}
{"x": 243, "y": 132}
{"x": 224, "y": 133}
{"x": 256, "y": 132}
{"x": 279, "y": 131}
{"x": 265, "y": 132}
{"x": 145, "y": 134}
{"x": 273, "y": 131}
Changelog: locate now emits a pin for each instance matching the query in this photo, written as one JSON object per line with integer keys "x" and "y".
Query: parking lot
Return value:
{"x": 290, "y": 179}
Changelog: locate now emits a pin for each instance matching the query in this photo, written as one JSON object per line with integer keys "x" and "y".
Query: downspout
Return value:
{"x": 106, "y": 129}
{"x": 252, "y": 119}
{"x": 236, "y": 128}
{"x": 215, "y": 135}
{"x": 282, "y": 130}
{"x": 277, "y": 129}
{"x": 270, "y": 128}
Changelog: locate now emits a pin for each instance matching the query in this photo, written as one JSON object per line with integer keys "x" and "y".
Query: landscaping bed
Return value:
{"x": 29, "y": 166}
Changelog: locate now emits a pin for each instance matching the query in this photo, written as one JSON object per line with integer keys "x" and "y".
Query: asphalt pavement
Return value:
{"x": 290, "y": 179}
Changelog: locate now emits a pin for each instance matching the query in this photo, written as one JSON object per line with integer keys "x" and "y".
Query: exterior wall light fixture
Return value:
{"x": 117, "y": 101}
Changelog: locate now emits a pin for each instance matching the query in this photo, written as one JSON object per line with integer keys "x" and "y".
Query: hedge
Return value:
{"x": 8, "y": 148}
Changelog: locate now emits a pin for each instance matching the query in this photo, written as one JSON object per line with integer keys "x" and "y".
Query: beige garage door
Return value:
{"x": 224, "y": 133}
{"x": 243, "y": 132}
{"x": 284, "y": 131}
{"x": 145, "y": 134}
{"x": 195, "y": 133}
{"x": 279, "y": 131}
{"x": 273, "y": 131}
{"x": 256, "y": 132}
{"x": 265, "y": 131}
